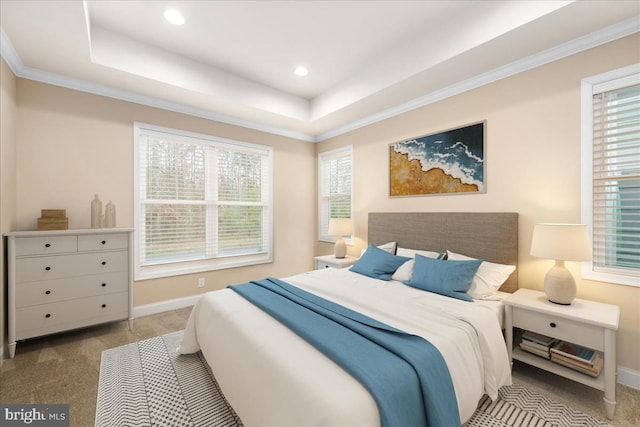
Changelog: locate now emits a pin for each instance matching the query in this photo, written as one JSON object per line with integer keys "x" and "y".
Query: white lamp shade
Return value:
{"x": 566, "y": 242}
{"x": 340, "y": 227}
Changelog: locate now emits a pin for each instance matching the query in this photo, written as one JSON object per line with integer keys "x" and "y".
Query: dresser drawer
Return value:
{"x": 44, "y": 245}
{"x": 102, "y": 242}
{"x": 558, "y": 327}
{"x": 60, "y": 266}
{"x": 49, "y": 318}
{"x": 66, "y": 279}
{"x": 45, "y": 292}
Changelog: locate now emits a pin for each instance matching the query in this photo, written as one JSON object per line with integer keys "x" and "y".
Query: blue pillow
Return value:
{"x": 378, "y": 264}
{"x": 449, "y": 278}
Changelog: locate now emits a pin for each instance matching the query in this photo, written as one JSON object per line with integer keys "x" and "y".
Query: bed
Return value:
{"x": 273, "y": 377}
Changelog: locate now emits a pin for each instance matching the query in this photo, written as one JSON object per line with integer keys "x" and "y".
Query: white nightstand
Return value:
{"x": 587, "y": 323}
{"x": 330, "y": 261}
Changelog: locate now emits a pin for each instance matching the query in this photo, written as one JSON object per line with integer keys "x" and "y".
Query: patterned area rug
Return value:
{"x": 148, "y": 384}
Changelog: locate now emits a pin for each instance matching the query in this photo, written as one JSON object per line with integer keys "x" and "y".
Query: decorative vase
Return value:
{"x": 96, "y": 212}
{"x": 110, "y": 215}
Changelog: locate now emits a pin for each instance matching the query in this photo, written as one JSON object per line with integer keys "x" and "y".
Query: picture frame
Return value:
{"x": 446, "y": 162}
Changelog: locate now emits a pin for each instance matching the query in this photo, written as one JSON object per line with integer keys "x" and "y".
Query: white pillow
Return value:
{"x": 411, "y": 253}
{"x": 387, "y": 247}
{"x": 405, "y": 271}
{"x": 489, "y": 277}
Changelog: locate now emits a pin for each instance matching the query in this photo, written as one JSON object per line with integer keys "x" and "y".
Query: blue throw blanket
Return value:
{"x": 406, "y": 375}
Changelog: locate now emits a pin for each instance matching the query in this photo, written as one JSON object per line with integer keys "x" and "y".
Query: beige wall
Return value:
{"x": 8, "y": 110}
{"x": 71, "y": 145}
{"x": 532, "y": 159}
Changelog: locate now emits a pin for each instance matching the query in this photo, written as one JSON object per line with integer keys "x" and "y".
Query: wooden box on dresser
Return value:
{"x": 67, "y": 279}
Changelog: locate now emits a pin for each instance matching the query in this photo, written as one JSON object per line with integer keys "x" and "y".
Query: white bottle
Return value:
{"x": 110, "y": 215}
{"x": 96, "y": 213}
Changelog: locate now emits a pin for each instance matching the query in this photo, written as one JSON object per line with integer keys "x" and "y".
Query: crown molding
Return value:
{"x": 110, "y": 92}
{"x": 608, "y": 34}
{"x": 20, "y": 70}
{"x": 8, "y": 52}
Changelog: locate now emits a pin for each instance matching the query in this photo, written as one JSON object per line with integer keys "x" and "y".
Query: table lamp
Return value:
{"x": 340, "y": 227}
{"x": 560, "y": 242}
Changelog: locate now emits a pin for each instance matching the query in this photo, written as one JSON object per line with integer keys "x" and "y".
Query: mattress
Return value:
{"x": 272, "y": 377}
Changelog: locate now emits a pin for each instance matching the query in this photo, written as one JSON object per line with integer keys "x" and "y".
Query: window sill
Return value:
{"x": 618, "y": 279}
{"x": 177, "y": 269}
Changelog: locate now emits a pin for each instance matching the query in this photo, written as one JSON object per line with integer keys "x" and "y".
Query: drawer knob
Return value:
{"x": 47, "y": 268}
{"x": 48, "y": 245}
{"x": 48, "y": 292}
{"x": 104, "y": 262}
{"x": 104, "y": 305}
{"x": 104, "y": 285}
{"x": 48, "y": 315}
{"x": 552, "y": 324}
{"x": 104, "y": 242}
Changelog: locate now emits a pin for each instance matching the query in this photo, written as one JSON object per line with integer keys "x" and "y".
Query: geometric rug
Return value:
{"x": 148, "y": 383}
{"x": 518, "y": 406}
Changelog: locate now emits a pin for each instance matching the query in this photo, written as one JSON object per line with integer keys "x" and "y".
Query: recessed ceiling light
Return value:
{"x": 174, "y": 16}
{"x": 301, "y": 71}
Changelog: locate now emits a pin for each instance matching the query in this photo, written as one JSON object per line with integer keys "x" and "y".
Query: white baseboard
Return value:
{"x": 159, "y": 307}
{"x": 629, "y": 377}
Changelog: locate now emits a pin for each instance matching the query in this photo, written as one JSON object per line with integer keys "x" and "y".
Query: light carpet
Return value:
{"x": 148, "y": 383}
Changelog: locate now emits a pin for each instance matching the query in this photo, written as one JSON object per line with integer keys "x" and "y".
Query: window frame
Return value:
{"x": 143, "y": 272}
{"x": 346, "y": 151}
{"x": 613, "y": 275}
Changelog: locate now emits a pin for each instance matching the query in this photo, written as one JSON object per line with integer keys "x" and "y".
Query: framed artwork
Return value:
{"x": 441, "y": 163}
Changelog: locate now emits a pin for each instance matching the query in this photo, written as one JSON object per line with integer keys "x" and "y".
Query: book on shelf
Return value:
{"x": 534, "y": 350}
{"x": 538, "y": 338}
{"x": 537, "y": 344}
{"x": 574, "y": 351}
{"x": 592, "y": 369}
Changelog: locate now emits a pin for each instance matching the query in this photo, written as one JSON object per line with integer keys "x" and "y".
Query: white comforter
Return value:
{"x": 273, "y": 378}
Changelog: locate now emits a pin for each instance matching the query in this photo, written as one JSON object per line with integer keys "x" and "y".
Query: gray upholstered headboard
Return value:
{"x": 489, "y": 236}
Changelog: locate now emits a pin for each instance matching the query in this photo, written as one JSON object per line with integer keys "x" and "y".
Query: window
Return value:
{"x": 334, "y": 189}
{"x": 611, "y": 174}
{"x": 201, "y": 202}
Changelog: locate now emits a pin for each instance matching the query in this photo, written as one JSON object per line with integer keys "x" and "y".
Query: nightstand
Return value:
{"x": 330, "y": 261}
{"x": 587, "y": 323}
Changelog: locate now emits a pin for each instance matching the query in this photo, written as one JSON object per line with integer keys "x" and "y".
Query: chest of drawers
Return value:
{"x": 62, "y": 280}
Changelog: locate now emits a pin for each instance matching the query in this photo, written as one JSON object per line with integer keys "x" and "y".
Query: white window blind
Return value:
{"x": 615, "y": 180}
{"x": 334, "y": 188}
{"x": 202, "y": 203}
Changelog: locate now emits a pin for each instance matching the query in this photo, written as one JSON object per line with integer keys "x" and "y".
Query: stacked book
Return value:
{"x": 537, "y": 344}
{"x": 574, "y": 356}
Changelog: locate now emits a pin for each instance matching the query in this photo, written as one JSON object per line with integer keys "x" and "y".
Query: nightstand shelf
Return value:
{"x": 587, "y": 323}
{"x": 548, "y": 365}
{"x": 330, "y": 261}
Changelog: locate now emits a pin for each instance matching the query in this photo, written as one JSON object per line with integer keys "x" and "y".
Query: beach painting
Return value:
{"x": 442, "y": 163}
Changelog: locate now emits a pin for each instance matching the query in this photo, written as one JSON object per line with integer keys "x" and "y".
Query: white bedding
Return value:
{"x": 273, "y": 378}
{"x": 495, "y": 304}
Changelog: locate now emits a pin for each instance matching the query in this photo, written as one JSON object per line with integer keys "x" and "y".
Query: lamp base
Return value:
{"x": 559, "y": 285}
{"x": 560, "y": 303}
{"x": 340, "y": 249}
